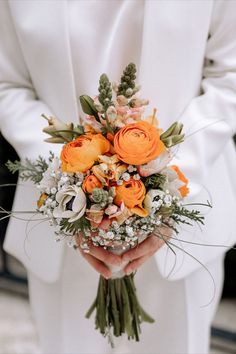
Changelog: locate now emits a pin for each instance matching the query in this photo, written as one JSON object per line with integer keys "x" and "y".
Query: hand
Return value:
{"x": 99, "y": 258}
{"x": 141, "y": 253}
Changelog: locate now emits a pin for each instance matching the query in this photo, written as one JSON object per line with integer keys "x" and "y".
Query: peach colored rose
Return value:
{"x": 138, "y": 143}
{"x": 80, "y": 154}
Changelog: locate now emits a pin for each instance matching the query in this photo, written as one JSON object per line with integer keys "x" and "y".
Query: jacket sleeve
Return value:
{"x": 210, "y": 123}
{"x": 20, "y": 108}
{"x": 21, "y": 125}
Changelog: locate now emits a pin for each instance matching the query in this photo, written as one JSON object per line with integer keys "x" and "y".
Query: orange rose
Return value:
{"x": 184, "y": 190}
{"x": 138, "y": 143}
{"x": 91, "y": 182}
{"x": 80, "y": 154}
{"x": 132, "y": 194}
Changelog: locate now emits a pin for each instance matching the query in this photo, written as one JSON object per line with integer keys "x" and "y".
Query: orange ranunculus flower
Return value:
{"x": 138, "y": 143}
{"x": 80, "y": 154}
{"x": 184, "y": 190}
{"x": 91, "y": 182}
{"x": 132, "y": 194}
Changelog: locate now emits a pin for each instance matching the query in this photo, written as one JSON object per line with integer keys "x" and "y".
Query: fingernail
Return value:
{"x": 128, "y": 272}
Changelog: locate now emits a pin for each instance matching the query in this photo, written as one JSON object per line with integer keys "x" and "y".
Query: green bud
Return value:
{"x": 127, "y": 81}
{"x": 79, "y": 129}
{"x": 172, "y": 136}
{"x": 129, "y": 92}
{"x": 88, "y": 106}
{"x": 58, "y": 129}
{"x": 105, "y": 89}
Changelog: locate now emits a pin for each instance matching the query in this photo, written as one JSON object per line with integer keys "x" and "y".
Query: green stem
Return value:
{"x": 91, "y": 309}
{"x": 114, "y": 308}
{"x": 109, "y": 128}
{"x": 117, "y": 307}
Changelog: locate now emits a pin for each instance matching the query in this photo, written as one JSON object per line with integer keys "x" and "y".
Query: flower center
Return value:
{"x": 70, "y": 204}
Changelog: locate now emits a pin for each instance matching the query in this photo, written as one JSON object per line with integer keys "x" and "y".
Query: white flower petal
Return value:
{"x": 79, "y": 201}
{"x": 78, "y": 215}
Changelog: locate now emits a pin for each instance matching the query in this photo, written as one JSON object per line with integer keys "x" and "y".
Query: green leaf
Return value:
{"x": 81, "y": 224}
{"x": 173, "y": 135}
{"x": 88, "y": 106}
{"x": 29, "y": 170}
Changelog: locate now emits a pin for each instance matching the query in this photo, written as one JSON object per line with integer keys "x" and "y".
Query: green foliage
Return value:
{"x": 74, "y": 227}
{"x": 105, "y": 92}
{"x": 173, "y": 135}
{"x": 51, "y": 156}
{"x": 74, "y": 133}
{"x": 155, "y": 181}
{"x": 100, "y": 196}
{"x": 88, "y": 106}
{"x": 29, "y": 170}
{"x": 181, "y": 215}
{"x": 78, "y": 130}
{"x": 127, "y": 83}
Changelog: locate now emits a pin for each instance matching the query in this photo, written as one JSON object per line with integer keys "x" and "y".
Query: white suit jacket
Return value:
{"x": 187, "y": 67}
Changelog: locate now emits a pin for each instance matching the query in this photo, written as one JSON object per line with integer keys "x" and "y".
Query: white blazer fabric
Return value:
{"x": 187, "y": 68}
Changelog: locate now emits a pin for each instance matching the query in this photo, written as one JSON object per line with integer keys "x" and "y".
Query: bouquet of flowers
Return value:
{"x": 114, "y": 186}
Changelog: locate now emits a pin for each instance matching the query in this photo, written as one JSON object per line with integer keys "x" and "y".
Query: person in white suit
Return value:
{"x": 53, "y": 51}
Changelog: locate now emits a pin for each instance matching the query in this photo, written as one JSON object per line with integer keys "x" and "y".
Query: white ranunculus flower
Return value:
{"x": 149, "y": 200}
{"x": 49, "y": 179}
{"x": 173, "y": 183}
{"x": 72, "y": 203}
{"x": 155, "y": 166}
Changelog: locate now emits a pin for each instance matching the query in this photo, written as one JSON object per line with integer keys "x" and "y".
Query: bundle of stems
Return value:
{"x": 117, "y": 309}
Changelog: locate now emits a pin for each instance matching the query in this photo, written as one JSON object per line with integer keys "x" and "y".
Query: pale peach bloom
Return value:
{"x": 122, "y": 100}
{"x": 95, "y": 215}
{"x": 156, "y": 165}
{"x": 111, "y": 209}
{"x": 110, "y": 169}
{"x": 122, "y": 214}
{"x": 92, "y": 125}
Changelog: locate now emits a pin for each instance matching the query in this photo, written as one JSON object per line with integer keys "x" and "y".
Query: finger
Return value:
{"x": 104, "y": 255}
{"x": 101, "y": 254}
{"x": 97, "y": 265}
{"x": 163, "y": 232}
{"x": 131, "y": 267}
{"x": 152, "y": 243}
